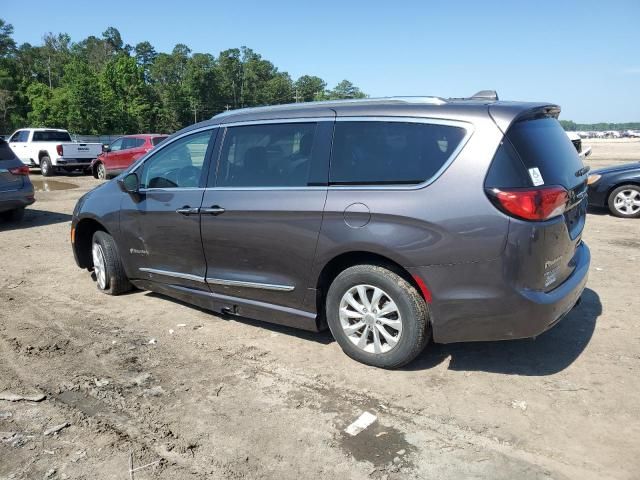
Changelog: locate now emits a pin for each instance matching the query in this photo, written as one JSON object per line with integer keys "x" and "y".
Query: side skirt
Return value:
{"x": 229, "y": 305}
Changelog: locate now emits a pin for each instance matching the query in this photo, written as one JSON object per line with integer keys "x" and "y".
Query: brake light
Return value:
{"x": 531, "y": 203}
{"x": 23, "y": 170}
{"x": 59, "y": 149}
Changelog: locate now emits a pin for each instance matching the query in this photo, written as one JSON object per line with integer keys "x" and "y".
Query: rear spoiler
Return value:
{"x": 504, "y": 113}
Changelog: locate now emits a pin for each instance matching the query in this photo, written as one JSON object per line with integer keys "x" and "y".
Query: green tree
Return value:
{"x": 124, "y": 96}
{"x": 84, "y": 113}
{"x": 309, "y": 88}
{"x": 345, "y": 90}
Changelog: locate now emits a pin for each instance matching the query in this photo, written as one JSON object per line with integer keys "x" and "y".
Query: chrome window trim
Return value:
{"x": 246, "y": 123}
{"x": 239, "y": 283}
{"x": 468, "y": 127}
{"x": 167, "y": 273}
{"x": 169, "y": 189}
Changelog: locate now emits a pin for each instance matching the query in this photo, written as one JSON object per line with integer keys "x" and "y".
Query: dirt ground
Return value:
{"x": 144, "y": 379}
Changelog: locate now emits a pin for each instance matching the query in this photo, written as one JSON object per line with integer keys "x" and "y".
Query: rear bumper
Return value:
{"x": 73, "y": 162}
{"x": 17, "y": 199}
{"x": 472, "y": 302}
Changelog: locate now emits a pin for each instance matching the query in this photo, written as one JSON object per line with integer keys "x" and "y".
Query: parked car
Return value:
{"x": 16, "y": 190}
{"x": 616, "y": 188}
{"x": 576, "y": 139}
{"x": 122, "y": 153}
{"x": 52, "y": 150}
{"x": 389, "y": 220}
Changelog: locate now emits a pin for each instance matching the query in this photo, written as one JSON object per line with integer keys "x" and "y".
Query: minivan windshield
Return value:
{"x": 543, "y": 144}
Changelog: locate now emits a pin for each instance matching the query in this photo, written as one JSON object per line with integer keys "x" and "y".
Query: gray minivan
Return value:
{"x": 391, "y": 221}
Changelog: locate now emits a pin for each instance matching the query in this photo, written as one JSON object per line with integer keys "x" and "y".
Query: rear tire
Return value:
{"x": 389, "y": 328}
{"x": 624, "y": 201}
{"x": 14, "y": 215}
{"x": 107, "y": 265}
{"x": 46, "y": 168}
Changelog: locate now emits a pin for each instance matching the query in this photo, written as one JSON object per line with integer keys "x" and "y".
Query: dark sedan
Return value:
{"x": 616, "y": 188}
{"x": 16, "y": 190}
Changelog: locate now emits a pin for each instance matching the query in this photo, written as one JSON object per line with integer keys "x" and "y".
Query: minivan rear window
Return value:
{"x": 390, "y": 153}
{"x": 51, "y": 136}
{"x": 543, "y": 144}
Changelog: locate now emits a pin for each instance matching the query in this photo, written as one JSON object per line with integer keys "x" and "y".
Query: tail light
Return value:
{"x": 59, "y": 149}
{"x": 531, "y": 203}
{"x": 23, "y": 170}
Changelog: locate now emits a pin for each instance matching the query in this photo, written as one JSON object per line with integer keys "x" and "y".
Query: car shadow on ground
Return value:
{"x": 323, "y": 337}
{"x": 35, "y": 218}
{"x": 600, "y": 211}
{"x": 549, "y": 353}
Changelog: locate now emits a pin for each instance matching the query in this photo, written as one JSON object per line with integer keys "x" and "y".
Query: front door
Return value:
{"x": 262, "y": 214}
{"x": 160, "y": 226}
{"x": 19, "y": 143}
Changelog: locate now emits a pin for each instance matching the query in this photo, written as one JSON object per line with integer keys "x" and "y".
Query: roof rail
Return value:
{"x": 328, "y": 103}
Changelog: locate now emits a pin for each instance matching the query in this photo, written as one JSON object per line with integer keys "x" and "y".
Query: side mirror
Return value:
{"x": 106, "y": 148}
{"x": 130, "y": 183}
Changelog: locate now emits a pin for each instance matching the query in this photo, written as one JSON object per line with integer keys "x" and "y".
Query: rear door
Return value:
{"x": 261, "y": 215}
{"x": 536, "y": 154}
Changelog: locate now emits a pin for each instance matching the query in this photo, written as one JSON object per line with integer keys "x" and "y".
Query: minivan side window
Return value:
{"x": 178, "y": 164}
{"x": 390, "y": 153}
{"x": 268, "y": 155}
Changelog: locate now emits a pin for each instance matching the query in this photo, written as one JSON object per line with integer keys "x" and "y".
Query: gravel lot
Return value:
{"x": 142, "y": 379}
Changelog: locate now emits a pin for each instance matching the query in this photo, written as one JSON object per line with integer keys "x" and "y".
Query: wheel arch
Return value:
{"x": 94, "y": 168}
{"x": 635, "y": 183}
{"x": 83, "y": 236}
{"x": 43, "y": 153}
{"x": 345, "y": 260}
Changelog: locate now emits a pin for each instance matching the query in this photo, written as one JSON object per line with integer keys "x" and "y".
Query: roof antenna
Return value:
{"x": 486, "y": 95}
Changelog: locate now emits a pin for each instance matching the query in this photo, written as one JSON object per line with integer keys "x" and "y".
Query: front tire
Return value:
{"x": 46, "y": 168}
{"x": 101, "y": 171}
{"x": 107, "y": 265}
{"x": 624, "y": 201}
{"x": 377, "y": 317}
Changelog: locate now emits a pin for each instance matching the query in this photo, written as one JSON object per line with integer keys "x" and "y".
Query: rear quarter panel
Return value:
{"x": 449, "y": 221}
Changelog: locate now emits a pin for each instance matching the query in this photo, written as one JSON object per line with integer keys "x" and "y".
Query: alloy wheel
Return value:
{"x": 99, "y": 265}
{"x": 370, "y": 319}
{"x": 627, "y": 202}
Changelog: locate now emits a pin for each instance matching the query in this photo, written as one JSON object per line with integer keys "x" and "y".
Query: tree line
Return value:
{"x": 572, "y": 126}
{"x": 100, "y": 85}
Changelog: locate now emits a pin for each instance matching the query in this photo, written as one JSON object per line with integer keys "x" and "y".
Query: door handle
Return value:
{"x": 187, "y": 210}
{"x": 215, "y": 210}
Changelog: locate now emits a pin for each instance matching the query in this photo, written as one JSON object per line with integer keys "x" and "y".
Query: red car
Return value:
{"x": 122, "y": 153}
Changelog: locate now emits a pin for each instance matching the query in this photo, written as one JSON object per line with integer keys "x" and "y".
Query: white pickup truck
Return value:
{"x": 52, "y": 150}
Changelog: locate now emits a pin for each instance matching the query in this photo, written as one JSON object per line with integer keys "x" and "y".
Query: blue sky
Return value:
{"x": 583, "y": 55}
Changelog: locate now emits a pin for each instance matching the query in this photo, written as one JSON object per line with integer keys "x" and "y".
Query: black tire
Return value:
{"x": 633, "y": 190}
{"x": 412, "y": 309}
{"x": 14, "y": 215}
{"x": 46, "y": 168}
{"x": 101, "y": 171}
{"x": 116, "y": 281}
